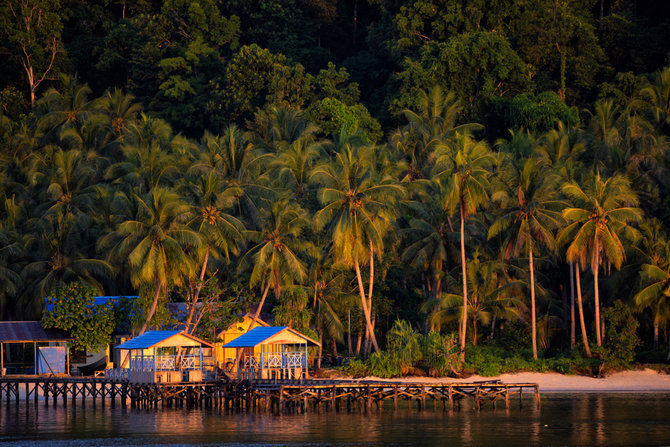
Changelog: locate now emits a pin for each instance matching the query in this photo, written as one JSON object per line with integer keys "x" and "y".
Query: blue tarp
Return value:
{"x": 51, "y": 360}
{"x": 98, "y": 300}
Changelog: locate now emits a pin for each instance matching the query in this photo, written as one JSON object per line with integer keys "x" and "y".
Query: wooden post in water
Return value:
{"x": 395, "y": 397}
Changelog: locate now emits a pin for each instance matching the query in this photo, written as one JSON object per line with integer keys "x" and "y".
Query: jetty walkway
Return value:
{"x": 275, "y": 396}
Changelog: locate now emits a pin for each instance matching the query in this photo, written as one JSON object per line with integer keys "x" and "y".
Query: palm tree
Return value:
{"x": 274, "y": 260}
{"x": 427, "y": 128}
{"x": 221, "y": 233}
{"x": 490, "y": 295}
{"x": 358, "y": 208}
{"x": 655, "y": 273}
{"x": 57, "y": 247}
{"x": 148, "y": 161}
{"x": 292, "y": 166}
{"x": 10, "y": 281}
{"x": 603, "y": 212}
{"x": 69, "y": 106}
{"x": 529, "y": 213}
{"x": 657, "y": 95}
{"x": 154, "y": 244}
{"x": 119, "y": 110}
{"x": 465, "y": 164}
{"x": 236, "y": 160}
{"x": 427, "y": 233}
{"x": 324, "y": 285}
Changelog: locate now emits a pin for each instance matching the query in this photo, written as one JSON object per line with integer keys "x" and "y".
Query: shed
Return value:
{"x": 162, "y": 356}
{"x": 49, "y": 349}
{"x": 282, "y": 353}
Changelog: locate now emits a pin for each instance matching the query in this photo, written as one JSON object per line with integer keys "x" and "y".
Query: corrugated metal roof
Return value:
{"x": 99, "y": 300}
{"x": 18, "y": 331}
{"x": 254, "y": 337}
{"x": 147, "y": 340}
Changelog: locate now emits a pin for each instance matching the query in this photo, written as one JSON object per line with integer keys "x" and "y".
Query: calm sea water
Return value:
{"x": 565, "y": 419}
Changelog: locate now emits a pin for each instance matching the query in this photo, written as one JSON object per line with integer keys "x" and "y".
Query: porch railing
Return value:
{"x": 281, "y": 360}
{"x": 164, "y": 363}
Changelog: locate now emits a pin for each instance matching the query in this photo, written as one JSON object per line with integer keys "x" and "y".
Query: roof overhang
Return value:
{"x": 152, "y": 339}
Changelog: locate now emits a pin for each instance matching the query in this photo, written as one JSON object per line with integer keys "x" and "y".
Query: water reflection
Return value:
{"x": 565, "y": 419}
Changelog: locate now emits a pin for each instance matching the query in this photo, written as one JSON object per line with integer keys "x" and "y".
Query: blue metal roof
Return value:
{"x": 254, "y": 337}
{"x": 147, "y": 340}
{"x": 97, "y": 300}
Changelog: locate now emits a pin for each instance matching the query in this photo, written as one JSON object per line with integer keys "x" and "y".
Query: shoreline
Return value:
{"x": 638, "y": 381}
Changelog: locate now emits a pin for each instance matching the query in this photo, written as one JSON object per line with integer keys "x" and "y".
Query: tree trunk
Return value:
{"x": 493, "y": 328}
{"x": 464, "y": 315}
{"x": 596, "y": 297}
{"x": 359, "y": 338}
{"x": 318, "y": 361}
{"x": 474, "y": 330}
{"x": 196, "y": 295}
{"x": 572, "y": 305}
{"x": 655, "y": 332}
{"x": 364, "y": 303}
{"x": 581, "y": 313}
{"x": 532, "y": 302}
{"x": 152, "y": 309}
{"x": 260, "y": 306}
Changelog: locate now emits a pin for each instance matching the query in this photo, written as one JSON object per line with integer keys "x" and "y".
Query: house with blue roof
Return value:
{"x": 163, "y": 356}
{"x": 271, "y": 353}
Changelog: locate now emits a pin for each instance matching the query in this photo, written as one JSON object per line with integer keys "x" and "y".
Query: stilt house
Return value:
{"x": 271, "y": 353}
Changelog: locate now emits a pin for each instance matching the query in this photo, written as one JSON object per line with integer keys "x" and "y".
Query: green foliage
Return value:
{"x": 495, "y": 71}
{"x": 73, "y": 311}
{"x": 440, "y": 354}
{"x": 437, "y": 20}
{"x": 536, "y": 113}
{"x": 621, "y": 339}
{"x": 403, "y": 344}
{"x": 293, "y": 310}
{"x": 356, "y": 368}
{"x": 333, "y": 116}
{"x": 384, "y": 364}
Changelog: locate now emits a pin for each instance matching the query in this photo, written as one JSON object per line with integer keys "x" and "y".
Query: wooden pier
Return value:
{"x": 265, "y": 396}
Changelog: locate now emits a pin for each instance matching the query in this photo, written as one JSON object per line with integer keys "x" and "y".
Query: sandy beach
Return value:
{"x": 627, "y": 381}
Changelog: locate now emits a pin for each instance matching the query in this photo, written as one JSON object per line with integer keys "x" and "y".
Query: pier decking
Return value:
{"x": 263, "y": 395}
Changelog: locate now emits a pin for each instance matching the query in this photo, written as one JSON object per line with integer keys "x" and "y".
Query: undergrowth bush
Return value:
{"x": 384, "y": 364}
{"x": 356, "y": 368}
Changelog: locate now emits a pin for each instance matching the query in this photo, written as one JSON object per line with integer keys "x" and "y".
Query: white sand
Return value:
{"x": 627, "y": 381}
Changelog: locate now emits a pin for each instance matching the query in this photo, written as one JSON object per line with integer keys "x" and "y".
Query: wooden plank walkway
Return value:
{"x": 265, "y": 395}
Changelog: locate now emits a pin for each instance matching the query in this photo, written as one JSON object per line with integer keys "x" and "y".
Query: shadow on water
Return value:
{"x": 565, "y": 419}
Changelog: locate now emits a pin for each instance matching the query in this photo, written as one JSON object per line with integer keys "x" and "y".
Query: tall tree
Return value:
{"x": 604, "y": 211}
{"x": 357, "y": 210}
{"x": 528, "y": 215}
{"x": 154, "y": 243}
{"x": 33, "y": 30}
{"x": 274, "y": 259}
{"x": 466, "y": 165}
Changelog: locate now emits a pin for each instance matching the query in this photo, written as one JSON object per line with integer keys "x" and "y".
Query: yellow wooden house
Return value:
{"x": 162, "y": 356}
{"x": 225, "y": 357}
{"x": 270, "y": 353}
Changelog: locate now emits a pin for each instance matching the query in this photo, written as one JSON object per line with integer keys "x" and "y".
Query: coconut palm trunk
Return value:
{"x": 364, "y": 304}
{"x": 196, "y": 295}
{"x": 532, "y": 302}
{"x": 581, "y": 313}
{"x": 464, "y": 316}
{"x": 596, "y": 268}
{"x": 572, "y": 305}
{"x": 260, "y": 306}
{"x": 153, "y": 307}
